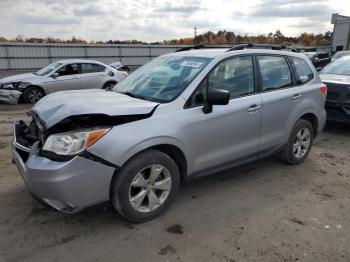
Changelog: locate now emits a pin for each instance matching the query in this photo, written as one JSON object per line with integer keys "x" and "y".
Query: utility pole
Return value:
{"x": 195, "y": 35}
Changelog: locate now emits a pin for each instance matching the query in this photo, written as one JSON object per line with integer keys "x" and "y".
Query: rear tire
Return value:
{"x": 299, "y": 143}
{"x": 145, "y": 186}
{"x": 33, "y": 94}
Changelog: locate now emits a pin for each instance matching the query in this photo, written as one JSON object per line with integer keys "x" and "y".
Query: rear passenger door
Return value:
{"x": 92, "y": 76}
{"x": 280, "y": 96}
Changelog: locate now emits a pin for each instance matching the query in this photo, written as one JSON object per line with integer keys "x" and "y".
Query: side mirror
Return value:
{"x": 54, "y": 75}
{"x": 110, "y": 73}
{"x": 215, "y": 97}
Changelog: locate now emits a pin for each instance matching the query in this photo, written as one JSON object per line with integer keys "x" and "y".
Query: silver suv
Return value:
{"x": 183, "y": 115}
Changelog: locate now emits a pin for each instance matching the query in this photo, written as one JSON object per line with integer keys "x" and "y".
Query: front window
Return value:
{"x": 70, "y": 69}
{"x": 235, "y": 75}
{"x": 338, "y": 67}
{"x": 163, "y": 79}
{"x": 48, "y": 69}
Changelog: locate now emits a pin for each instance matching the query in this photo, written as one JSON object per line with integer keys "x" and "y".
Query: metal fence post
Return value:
{"x": 120, "y": 54}
{"x": 8, "y": 57}
{"x": 49, "y": 53}
{"x": 85, "y": 52}
{"x": 150, "y": 53}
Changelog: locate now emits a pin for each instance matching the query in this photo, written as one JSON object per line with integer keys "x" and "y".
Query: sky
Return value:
{"x": 155, "y": 20}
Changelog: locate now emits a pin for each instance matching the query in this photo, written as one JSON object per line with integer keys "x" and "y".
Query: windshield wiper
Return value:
{"x": 134, "y": 95}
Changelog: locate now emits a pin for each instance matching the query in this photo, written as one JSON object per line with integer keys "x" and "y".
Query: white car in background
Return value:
{"x": 120, "y": 67}
{"x": 59, "y": 76}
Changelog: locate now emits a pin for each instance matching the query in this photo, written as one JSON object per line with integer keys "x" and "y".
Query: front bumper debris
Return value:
{"x": 66, "y": 186}
{"x": 10, "y": 96}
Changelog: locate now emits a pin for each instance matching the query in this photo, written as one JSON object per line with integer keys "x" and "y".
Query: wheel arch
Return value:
{"x": 109, "y": 81}
{"x": 21, "y": 99}
{"x": 312, "y": 118}
{"x": 173, "y": 150}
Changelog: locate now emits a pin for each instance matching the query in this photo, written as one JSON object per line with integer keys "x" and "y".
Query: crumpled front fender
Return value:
{"x": 10, "y": 96}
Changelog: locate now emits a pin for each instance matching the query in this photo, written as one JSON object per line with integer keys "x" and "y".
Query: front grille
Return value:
{"x": 27, "y": 135}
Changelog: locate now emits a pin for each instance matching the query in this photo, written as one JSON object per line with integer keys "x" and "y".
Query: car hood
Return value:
{"x": 60, "y": 105}
{"x": 339, "y": 79}
{"x": 28, "y": 77}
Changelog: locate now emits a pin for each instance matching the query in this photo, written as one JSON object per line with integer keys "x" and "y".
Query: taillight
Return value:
{"x": 323, "y": 89}
{"x": 125, "y": 73}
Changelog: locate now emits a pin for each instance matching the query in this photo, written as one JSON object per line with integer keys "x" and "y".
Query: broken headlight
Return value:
{"x": 15, "y": 85}
{"x": 8, "y": 86}
{"x": 74, "y": 142}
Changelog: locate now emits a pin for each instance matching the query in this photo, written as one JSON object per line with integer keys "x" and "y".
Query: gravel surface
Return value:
{"x": 269, "y": 212}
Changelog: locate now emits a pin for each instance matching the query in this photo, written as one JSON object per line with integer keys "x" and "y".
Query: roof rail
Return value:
{"x": 262, "y": 46}
{"x": 187, "y": 48}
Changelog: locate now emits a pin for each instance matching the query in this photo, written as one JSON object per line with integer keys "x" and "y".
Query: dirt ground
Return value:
{"x": 271, "y": 212}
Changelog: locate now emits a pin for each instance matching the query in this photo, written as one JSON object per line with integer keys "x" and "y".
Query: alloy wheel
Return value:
{"x": 35, "y": 95}
{"x": 301, "y": 142}
{"x": 150, "y": 188}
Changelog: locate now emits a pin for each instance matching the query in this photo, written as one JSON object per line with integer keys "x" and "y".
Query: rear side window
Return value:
{"x": 275, "y": 72}
{"x": 90, "y": 68}
{"x": 304, "y": 72}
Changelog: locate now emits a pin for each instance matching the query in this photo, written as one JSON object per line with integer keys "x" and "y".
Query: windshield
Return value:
{"x": 340, "y": 66}
{"x": 310, "y": 54}
{"x": 340, "y": 54}
{"x": 48, "y": 69}
{"x": 163, "y": 79}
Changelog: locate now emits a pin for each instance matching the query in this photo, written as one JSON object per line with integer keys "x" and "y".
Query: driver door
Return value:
{"x": 68, "y": 79}
{"x": 229, "y": 135}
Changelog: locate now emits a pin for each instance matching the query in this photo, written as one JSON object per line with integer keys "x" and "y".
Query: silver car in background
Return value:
{"x": 59, "y": 76}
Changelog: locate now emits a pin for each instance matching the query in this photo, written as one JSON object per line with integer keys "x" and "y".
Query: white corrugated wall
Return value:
{"x": 17, "y": 56}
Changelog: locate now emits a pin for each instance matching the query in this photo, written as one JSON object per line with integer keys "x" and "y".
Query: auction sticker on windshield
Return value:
{"x": 189, "y": 63}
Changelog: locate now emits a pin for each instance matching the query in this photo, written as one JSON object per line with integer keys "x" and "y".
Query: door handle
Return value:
{"x": 297, "y": 97}
{"x": 253, "y": 108}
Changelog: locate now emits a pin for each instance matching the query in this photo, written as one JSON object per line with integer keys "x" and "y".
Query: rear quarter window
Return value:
{"x": 303, "y": 72}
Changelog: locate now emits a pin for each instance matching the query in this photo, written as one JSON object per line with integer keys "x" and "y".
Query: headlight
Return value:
{"x": 71, "y": 143}
{"x": 8, "y": 86}
{"x": 15, "y": 85}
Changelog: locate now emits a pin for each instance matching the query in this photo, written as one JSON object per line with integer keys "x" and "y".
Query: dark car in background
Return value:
{"x": 319, "y": 59}
{"x": 336, "y": 76}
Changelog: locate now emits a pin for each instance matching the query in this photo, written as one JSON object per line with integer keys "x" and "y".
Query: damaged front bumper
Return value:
{"x": 66, "y": 186}
{"x": 338, "y": 102}
{"x": 10, "y": 96}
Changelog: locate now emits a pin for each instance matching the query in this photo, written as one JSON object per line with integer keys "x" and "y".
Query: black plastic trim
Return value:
{"x": 95, "y": 158}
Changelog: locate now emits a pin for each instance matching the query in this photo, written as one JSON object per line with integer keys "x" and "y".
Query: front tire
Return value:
{"x": 33, "y": 94}
{"x": 299, "y": 143}
{"x": 109, "y": 85}
{"x": 145, "y": 186}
